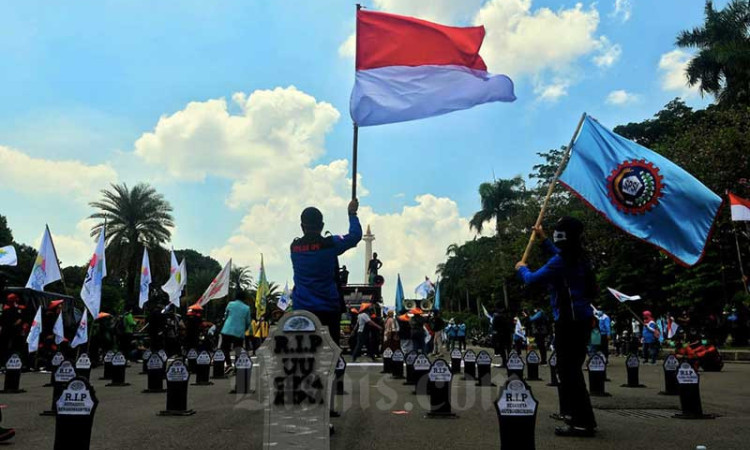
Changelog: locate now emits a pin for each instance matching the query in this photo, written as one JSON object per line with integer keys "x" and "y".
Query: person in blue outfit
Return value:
{"x": 650, "y": 338}
{"x": 316, "y": 268}
{"x": 605, "y": 330}
{"x": 572, "y": 285}
{"x": 237, "y": 320}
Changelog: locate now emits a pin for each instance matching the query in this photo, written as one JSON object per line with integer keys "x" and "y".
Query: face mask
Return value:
{"x": 559, "y": 236}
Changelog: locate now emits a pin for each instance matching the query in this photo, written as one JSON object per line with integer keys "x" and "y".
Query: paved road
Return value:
{"x": 630, "y": 419}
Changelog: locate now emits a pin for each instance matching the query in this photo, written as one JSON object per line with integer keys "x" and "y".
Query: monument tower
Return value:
{"x": 368, "y": 238}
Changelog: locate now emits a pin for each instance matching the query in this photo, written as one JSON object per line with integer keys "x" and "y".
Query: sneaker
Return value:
{"x": 569, "y": 431}
{"x": 6, "y": 434}
{"x": 559, "y": 417}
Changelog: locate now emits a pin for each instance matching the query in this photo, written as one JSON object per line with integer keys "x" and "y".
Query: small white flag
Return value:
{"x": 35, "y": 331}
{"x": 177, "y": 279}
{"x": 59, "y": 329}
{"x": 425, "y": 289}
{"x": 145, "y": 279}
{"x": 46, "y": 269}
{"x": 82, "y": 333}
{"x": 8, "y": 256}
{"x": 91, "y": 291}
{"x": 219, "y": 287}
{"x": 286, "y": 298}
{"x": 622, "y": 297}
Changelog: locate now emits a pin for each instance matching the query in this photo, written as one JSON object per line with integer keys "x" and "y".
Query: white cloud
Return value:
{"x": 623, "y": 10}
{"x": 552, "y": 92}
{"x": 348, "y": 49}
{"x": 72, "y": 249}
{"x": 673, "y": 66}
{"x": 609, "y": 54}
{"x": 64, "y": 178}
{"x": 621, "y": 97}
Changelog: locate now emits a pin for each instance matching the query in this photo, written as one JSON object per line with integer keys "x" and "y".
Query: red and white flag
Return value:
{"x": 82, "y": 334}
{"x": 622, "y": 298}
{"x": 35, "y": 331}
{"x": 740, "y": 208}
{"x": 219, "y": 287}
{"x": 672, "y": 327}
{"x": 59, "y": 329}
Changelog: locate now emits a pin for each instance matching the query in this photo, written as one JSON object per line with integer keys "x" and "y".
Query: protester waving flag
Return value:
{"x": 409, "y": 69}
{"x": 219, "y": 287}
{"x": 425, "y": 288}
{"x": 91, "y": 292}
{"x": 82, "y": 333}
{"x": 35, "y": 331}
{"x": 261, "y": 295}
{"x": 622, "y": 298}
{"x": 740, "y": 208}
{"x": 46, "y": 268}
{"x": 399, "y": 295}
{"x": 641, "y": 192}
{"x": 145, "y": 279}
{"x": 8, "y": 256}
{"x": 59, "y": 329}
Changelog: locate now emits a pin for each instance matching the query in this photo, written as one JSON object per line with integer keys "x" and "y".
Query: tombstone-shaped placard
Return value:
{"x": 409, "y": 360}
{"x": 203, "y": 369}
{"x": 632, "y": 365}
{"x": 515, "y": 365}
{"x": 243, "y": 367}
{"x": 690, "y": 395}
{"x": 178, "y": 378}
{"x": 597, "y": 376}
{"x": 119, "y": 364}
{"x": 83, "y": 366}
{"x": 440, "y": 378}
{"x": 107, "y": 365}
{"x": 397, "y": 364}
{"x": 156, "y": 373}
{"x": 298, "y": 361}
{"x": 456, "y": 358}
{"x": 192, "y": 356}
{"x": 484, "y": 369}
{"x": 55, "y": 362}
{"x": 553, "y": 381}
{"x": 75, "y": 415}
{"x": 516, "y": 412}
{"x": 422, "y": 366}
{"x": 13, "y": 375}
{"x": 670, "y": 366}
{"x": 532, "y": 365}
{"x": 387, "y": 360}
{"x": 219, "y": 364}
{"x": 144, "y": 367}
{"x": 64, "y": 373}
{"x": 470, "y": 365}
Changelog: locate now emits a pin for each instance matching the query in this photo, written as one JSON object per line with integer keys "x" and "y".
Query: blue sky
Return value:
{"x": 82, "y": 84}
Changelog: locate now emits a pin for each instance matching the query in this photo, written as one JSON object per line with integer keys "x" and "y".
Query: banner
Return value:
{"x": 145, "y": 279}
{"x": 219, "y": 287}
{"x": 46, "y": 268}
{"x": 59, "y": 329}
{"x": 91, "y": 292}
{"x": 35, "y": 331}
{"x": 82, "y": 333}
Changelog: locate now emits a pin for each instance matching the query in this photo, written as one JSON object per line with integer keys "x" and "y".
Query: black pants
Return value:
{"x": 541, "y": 344}
{"x": 332, "y": 320}
{"x": 571, "y": 340}
{"x": 228, "y": 343}
{"x": 605, "y": 347}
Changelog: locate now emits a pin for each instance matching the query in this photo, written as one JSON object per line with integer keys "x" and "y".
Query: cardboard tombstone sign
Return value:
{"x": 484, "y": 369}
{"x": 156, "y": 373}
{"x": 670, "y": 366}
{"x": 55, "y": 362}
{"x": 107, "y": 365}
{"x": 203, "y": 369}
{"x": 75, "y": 415}
{"x": 387, "y": 360}
{"x": 597, "y": 376}
{"x": 298, "y": 362}
{"x": 456, "y": 358}
{"x": 553, "y": 381}
{"x": 422, "y": 367}
{"x": 690, "y": 395}
{"x": 64, "y": 373}
{"x": 145, "y": 356}
{"x": 516, "y": 410}
{"x": 83, "y": 366}
{"x": 119, "y": 364}
{"x": 409, "y": 360}
{"x": 243, "y": 367}
{"x": 515, "y": 365}
{"x": 192, "y": 356}
{"x": 219, "y": 362}
{"x": 470, "y": 365}
{"x": 397, "y": 364}
{"x": 13, "y": 375}
{"x": 532, "y": 365}
{"x": 440, "y": 378}
{"x": 632, "y": 364}
{"x": 178, "y": 378}
{"x": 339, "y": 374}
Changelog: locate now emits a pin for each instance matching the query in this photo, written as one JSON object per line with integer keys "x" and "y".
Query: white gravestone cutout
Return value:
{"x": 108, "y": 356}
{"x": 75, "y": 400}
{"x": 470, "y": 356}
{"x": 553, "y": 360}
{"x": 177, "y": 372}
{"x": 118, "y": 360}
{"x": 410, "y": 358}
{"x": 515, "y": 362}
{"x": 13, "y": 363}
{"x": 671, "y": 363}
{"x": 65, "y": 372}
{"x": 203, "y": 359}
{"x": 219, "y": 356}
{"x": 243, "y": 362}
{"x": 398, "y": 356}
{"x": 484, "y": 359}
{"x": 155, "y": 362}
{"x": 632, "y": 362}
{"x": 440, "y": 372}
{"x": 533, "y": 358}
{"x": 686, "y": 374}
{"x": 57, "y": 359}
{"x": 388, "y": 353}
{"x": 422, "y": 363}
{"x": 83, "y": 362}
{"x": 163, "y": 355}
{"x": 456, "y": 354}
{"x": 596, "y": 364}
{"x": 516, "y": 400}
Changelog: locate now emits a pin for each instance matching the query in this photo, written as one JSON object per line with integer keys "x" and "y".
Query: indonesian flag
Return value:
{"x": 740, "y": 208}
{"x": 145, "y": 279}
{"x": 82, "y": 333}
{"x": 410, "y": 69}
{"x": 35, "y": 331}
{"x": 8, "y": 256}
{"x": 46, "y": 269}
{"x": 622, "y": 298}
{"x": 59, "y": 329}
{"x": 672, "y": 327}
{"x": 91, "y": 292}
{"x": 219, "y": 287}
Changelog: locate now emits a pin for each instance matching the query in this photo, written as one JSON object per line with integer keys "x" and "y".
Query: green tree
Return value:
{"x": 6, "y": 235}
{"x": 135, "y": 218}
{"x": 240, "y": 279}
{"x": 721, "y": 66}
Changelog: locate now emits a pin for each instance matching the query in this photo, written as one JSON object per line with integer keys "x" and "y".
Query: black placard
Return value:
{"x": 178, "y": 378}
{"x": 75, "y": 408}
{"x": 12, "y": 383}
{"x": 516, "y": 410}
{"x": 156, "y": 374}
{"x": 440, "y": 378}
{"x": 532, "y": 365}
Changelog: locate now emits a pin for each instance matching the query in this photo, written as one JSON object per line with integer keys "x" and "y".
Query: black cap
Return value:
{"x": 311, "y": 217}
{"x": 572, "y": 227}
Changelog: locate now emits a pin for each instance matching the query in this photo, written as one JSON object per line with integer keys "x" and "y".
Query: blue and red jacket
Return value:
{"x": 315, "y": 263}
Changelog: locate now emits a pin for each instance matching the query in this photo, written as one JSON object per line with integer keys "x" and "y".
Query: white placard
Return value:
{"x": 65, "y": 372}
{"x": 533, "y": 358}
{"x": 484, "y": 359}
{"x": 203, "y": 359}
{"x": 596, "y": 364}
{"x": 14, "y": 362}
{"x": 456, "y": 354}
{"x": 155, "y": 362}
{"x": 146, "y": 355}
{"x": 387, "y": 353}
{"x": 514, "y": 362}
{"x": 83, "y": 362}
{"x": 340, "y": 364}
{"x": 57, "y": 359}
{"x": 410, "y": 358}
{"x": 671, "y": 364}
{"x": 177, "y": 372}
{"x": 118, "y": 360}
{"x": 553, "y": 360}
{"x": 108, "y": 356}
{"x": 192, "y": 354}
{"x": 243, "y": 362}
{"x": 686, "y": 374}
{"x": 470, "y": 356}
{"x": 516, "y": 400}
{"x": 219, "y": 356}
{"x": 632, "y": 362}
{"x": 163, "y": 355}
{"x": 75, "y": 400}
{"x": 422, "y": 363}
{"x": 398, "y": 355}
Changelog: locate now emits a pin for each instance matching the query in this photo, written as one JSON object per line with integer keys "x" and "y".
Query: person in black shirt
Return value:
{"x": 373, "y": 267}
{"x": 343, "y": 276}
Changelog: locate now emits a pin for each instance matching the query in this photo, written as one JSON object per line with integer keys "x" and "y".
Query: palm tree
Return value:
{"x": 722, "y": 65}
{"x": 135, "y": 218}
{"x": 240, "y": 279}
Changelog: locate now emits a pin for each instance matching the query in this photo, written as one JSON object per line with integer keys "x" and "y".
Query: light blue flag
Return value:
{"x": 641, "y": 192}
{"x": 436, "y": 306}
{"x": 399, "y": 296}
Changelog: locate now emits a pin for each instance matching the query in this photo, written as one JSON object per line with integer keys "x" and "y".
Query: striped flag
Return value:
{"x": 740, "y": 208}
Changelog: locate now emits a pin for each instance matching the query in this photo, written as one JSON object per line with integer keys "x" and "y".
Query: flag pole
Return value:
{"x": 552, "y": 184}
{"x": 739, "y": 257}
{"x": 57, "y": 260}
{"x": 355, "y": 137}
